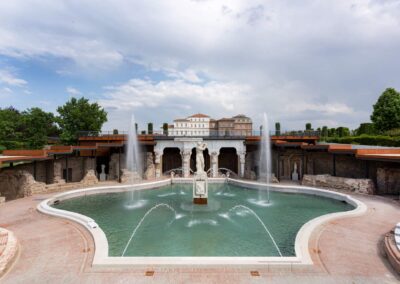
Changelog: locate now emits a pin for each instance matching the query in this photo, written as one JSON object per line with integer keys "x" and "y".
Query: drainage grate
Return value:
{"x": 149, "y": 273}
{"x": 254, "y": 273}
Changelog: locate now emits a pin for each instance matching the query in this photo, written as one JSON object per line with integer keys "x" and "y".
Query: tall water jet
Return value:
{"x": 133, "y": 171}
{"x": 265, "y": 157}
{"x": 132, "y": 156}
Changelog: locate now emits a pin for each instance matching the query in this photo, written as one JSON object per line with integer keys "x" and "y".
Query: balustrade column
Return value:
{"x": 186, "y": 153}
{"x": 214, "y": 164}
{"x": 242, "y": 160}
{"x": 158, "y": 163}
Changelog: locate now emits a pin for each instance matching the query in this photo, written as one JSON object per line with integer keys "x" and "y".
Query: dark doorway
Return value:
{"x": 102, "y": 160}
{"x": 228, "y": 159}
{"x": 171, "y": 159}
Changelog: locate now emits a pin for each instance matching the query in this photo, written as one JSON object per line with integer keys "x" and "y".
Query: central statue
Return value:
{"x": 200, "y": 183}
{"x": 201, "y": 146}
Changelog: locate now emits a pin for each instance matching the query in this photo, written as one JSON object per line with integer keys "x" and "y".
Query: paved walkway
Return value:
{"x": 54, "y": 250}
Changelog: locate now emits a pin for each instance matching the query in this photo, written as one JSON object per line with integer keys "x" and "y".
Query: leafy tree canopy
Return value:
{"x": 79, "y": 115}
{"x": 11, "y": 125}
{"x": 386, "y": 114}
{"x": 39, "y": 125}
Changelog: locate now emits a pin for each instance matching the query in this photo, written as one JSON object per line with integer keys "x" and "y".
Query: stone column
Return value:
{"x": 242, "y": 160}
{"x": 158, "y": 162}
{"x": 214, "y": 163}
{"x": 57, "y": 171}
{"x": 186, "y": 153}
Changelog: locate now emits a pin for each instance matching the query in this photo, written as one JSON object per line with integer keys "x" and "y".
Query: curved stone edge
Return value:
{"x": 101, "y": 257}
{"x": 98, "y": 235}
{"x": 302, "y": 248}
{"x": 10, "y": 252}
{"x": 391, "y": 246}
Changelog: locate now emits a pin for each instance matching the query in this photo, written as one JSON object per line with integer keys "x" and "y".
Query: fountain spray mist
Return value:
{"x": 132, "y": 158}
{"x": 265, "y": 156}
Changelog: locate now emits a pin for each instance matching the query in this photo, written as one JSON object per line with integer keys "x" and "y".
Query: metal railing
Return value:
{"x": 211, "y": 133}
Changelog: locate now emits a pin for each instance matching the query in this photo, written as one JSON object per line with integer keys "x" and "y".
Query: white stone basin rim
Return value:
{"x": 101, "y": 257}
{"x": 397, "y": 236}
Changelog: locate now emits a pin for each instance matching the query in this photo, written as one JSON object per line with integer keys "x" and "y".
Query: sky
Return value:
{"x": 324, "y": 62}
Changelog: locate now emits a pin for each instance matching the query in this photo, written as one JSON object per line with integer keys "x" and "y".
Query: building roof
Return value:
{"x": 225, "y": 118}
{"x": 241, "y": 116}
{"x": 181, "y": 119}
{"x": 199, "y": 115}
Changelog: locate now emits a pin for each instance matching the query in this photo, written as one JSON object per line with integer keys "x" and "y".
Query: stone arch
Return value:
{"x": 228, "y": 158}
{"x": 172, "y": 158}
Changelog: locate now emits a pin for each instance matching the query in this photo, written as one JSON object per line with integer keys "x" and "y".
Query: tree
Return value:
{"x": 324, "y": 131}
{"x": 165, "y": 128}
{"x": 332, "y": 132}
{"x": 386, "y": 113}
{"x": 343, "y": 131}
{"x": 308, "y": 126}
{"x": 277, "y": 128}
{"x": 39, "y": 125}
{"x": 11, "y": 128}
{"x": 365, "y": 128}
{"x": 79, "y": 115}
{"x": 136, "y": 128}
{"x": 150, "y": 128}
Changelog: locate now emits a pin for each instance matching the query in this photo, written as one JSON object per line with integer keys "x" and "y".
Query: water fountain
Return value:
{"x": 265, "y": 159}
{"x": 133, "y": 171}
{"x": 226, "y": 215}
{"x": 176, "y": 215}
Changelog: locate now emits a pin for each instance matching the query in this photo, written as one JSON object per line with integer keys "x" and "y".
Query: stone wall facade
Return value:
{"x": 364, "y": 186}
{"x": 19, "y": 183}
{"x": 388, "y": 180}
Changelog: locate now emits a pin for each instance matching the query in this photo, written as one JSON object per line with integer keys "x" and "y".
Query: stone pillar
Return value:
{"x": 57, "y": 171}
{"x": 214, "y": 163}
{"x": 150, "y": 168}
{"x": 186, "y": 153}
{"x": 242, "y": 160}
{"x": 158, "y": 163}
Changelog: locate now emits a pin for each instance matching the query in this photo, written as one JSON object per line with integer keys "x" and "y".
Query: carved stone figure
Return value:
{"x": 200, "y": 157}
{"x": 295, "y": 175}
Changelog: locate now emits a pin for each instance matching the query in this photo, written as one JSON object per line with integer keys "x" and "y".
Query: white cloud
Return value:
{"x": 8, "y": 78}
{"x": 73, "y": 92}
{"x": 296, "y": 61}
{"x": 138, "y": 93}
{"x": 327, "y": 109}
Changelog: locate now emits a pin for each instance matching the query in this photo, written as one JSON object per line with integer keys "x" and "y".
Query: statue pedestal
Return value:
{"x": 200, "y": 188}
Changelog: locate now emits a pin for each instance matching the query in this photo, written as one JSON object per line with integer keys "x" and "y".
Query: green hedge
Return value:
{"x": 374, "y": 140}
{"x": 13, "y": 145}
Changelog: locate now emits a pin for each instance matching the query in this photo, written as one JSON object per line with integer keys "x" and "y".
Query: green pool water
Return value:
{"x": 199, "y": 230}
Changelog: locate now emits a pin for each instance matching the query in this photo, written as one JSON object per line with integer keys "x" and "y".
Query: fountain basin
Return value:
{"x": 237, "y": 229}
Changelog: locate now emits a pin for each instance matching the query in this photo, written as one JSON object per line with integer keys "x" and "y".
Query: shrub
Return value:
{"x": 377, "y": 140}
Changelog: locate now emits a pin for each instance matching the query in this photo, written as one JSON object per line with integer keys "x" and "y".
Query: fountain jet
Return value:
{"x": 265, "y": 158}
{"x": 133, "y": 171}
